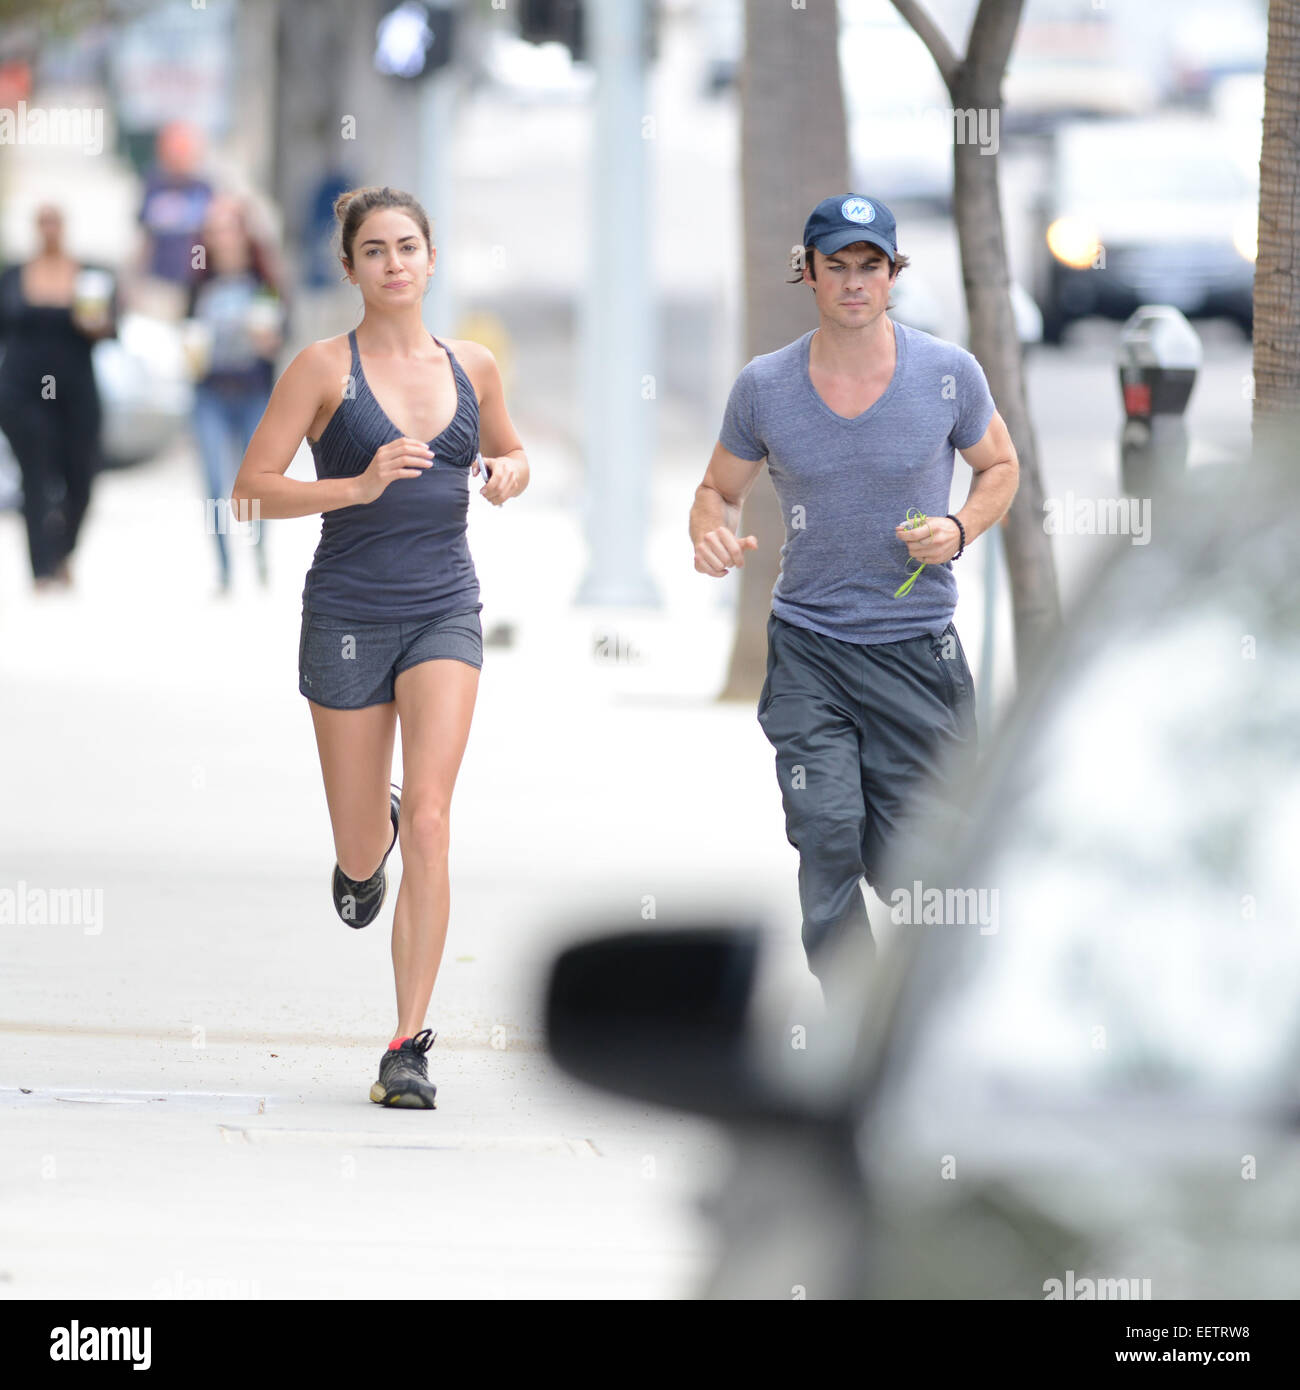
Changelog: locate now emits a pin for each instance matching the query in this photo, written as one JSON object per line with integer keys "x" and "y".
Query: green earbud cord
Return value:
{"x": 914, "y": 519}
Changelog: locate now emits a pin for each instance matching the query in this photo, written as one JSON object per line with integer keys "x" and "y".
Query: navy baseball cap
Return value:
{"x": 848, "y": 217}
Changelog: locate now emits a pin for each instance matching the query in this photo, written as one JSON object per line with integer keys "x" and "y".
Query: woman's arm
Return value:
{"x": 295, "y": 402}
{"x": 499, "y": 442}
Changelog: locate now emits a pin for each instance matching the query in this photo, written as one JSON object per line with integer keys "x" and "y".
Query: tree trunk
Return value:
{"x": 1276, "y": 411}
{"x": 977, "y": 86}
{"x": 794, "y": 152}
{"x": 974, "y": 84}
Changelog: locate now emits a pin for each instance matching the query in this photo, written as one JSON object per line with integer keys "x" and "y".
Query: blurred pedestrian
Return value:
{"x": 172, "y": 209}
{"x": 236, "y": 325}
{"x": 868, "y": 699}
{"x": 319, "y": 268}
{"x": 390, "y": 623}
{"x": 52, "y": 310}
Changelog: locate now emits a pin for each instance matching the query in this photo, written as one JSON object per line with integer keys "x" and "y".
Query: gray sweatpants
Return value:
{"x": 866, "y": 737}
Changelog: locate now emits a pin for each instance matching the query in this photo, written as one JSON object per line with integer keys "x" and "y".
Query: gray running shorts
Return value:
{"x": 345, "y": 664}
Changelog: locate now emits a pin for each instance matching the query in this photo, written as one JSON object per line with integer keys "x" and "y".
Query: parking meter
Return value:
{"x": 1159, "y": 355}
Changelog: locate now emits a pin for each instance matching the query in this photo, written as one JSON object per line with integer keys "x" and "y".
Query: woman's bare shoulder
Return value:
{"x": 469, "y": 351}
{"x": 479, "y": 362}
{"x": 321, "y": 365}
{"x": 328, "y": 354}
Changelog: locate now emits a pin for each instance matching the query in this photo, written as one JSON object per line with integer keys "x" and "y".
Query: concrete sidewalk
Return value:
{"x": 184, "y": 1071}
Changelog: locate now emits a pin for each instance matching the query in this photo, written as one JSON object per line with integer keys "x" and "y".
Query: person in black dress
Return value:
{"x": 52, "y": 309}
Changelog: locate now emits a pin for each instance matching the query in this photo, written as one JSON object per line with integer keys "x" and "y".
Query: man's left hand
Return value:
{"x": 934, "y": 542}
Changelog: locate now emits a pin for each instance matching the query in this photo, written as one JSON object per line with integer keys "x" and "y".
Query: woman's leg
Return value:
{"x": 79, "y": 459}
{"x": 356, "y": 760}
{"x": 435, "y": 702}
{"x": 30, "y": 429}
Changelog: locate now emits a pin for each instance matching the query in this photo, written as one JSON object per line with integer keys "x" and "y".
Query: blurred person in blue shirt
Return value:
{"x": 236, "y": 325}
{"x": 174, "y": 204}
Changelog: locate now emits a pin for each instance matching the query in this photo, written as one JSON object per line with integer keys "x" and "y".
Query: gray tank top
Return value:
{"x": 404, "y": 556}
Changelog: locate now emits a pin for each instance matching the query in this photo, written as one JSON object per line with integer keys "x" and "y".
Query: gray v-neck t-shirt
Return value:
{"x": 845, "y": 484}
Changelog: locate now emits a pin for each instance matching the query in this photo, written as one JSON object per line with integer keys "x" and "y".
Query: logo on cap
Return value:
{"x": 857, "y": 210}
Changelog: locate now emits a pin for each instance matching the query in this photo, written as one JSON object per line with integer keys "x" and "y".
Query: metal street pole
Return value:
{"x": 439, "y": 93}
{"x": 988, "y": 647}
{"x": 618, "y": 349}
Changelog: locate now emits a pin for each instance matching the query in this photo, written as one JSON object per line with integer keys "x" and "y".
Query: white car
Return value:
{"x": 144, "y": 392}
{"x": 1157, "y": 211}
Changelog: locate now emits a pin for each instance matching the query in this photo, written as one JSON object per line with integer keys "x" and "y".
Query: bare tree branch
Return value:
{"x": 974, "y": 80}
{"x": 932, "y": 36}
{"x": 992, "y": 36}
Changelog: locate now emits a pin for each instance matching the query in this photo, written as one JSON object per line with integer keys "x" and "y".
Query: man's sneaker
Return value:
{"x": 356, "y": 903}
{"x": 404, "y": 1076}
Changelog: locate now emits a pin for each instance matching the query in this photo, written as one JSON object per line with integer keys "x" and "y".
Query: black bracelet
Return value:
{"x": 962, "y": 529}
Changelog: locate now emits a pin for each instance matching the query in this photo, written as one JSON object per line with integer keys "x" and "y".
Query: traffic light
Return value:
{"x": 415, "y": 38}
{"x": 543, "y": 20}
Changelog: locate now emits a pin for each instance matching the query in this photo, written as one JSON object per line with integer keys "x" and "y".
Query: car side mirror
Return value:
{"x": 655, "y": 1015}
{"x": 663, "y": 1016}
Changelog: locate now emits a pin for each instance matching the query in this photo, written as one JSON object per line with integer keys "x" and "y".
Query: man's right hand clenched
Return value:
{"x": 718, "y": 551}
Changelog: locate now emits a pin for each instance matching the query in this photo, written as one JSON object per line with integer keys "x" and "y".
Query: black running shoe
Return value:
{"x": 358, "y": 903}
{"x": 404, "y": 1076}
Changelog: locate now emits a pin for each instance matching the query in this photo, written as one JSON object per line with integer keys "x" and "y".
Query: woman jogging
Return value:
{"x": 390, "y": 622}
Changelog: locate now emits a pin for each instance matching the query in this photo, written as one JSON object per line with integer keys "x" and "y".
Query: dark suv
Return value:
{"x": 1159, "y": 211}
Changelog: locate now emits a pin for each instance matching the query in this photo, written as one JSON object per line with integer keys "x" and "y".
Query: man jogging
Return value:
{"x": 868, "y": 700}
